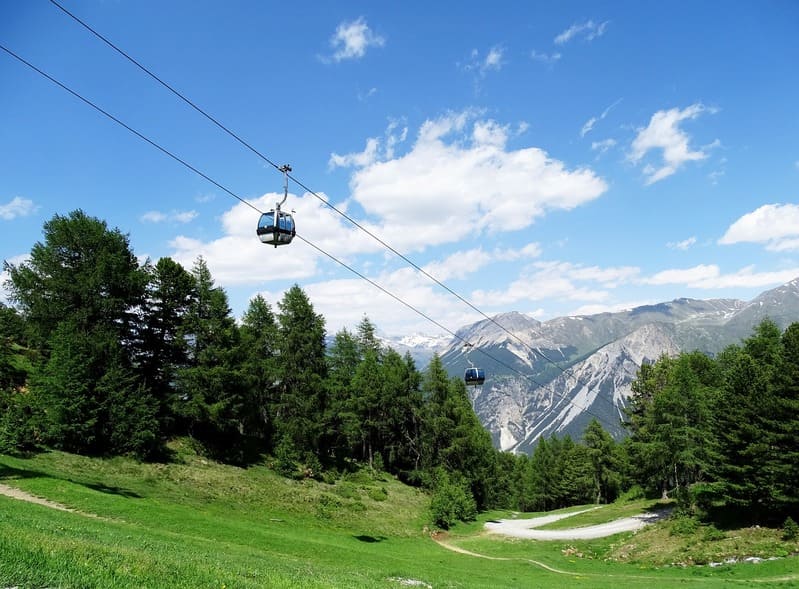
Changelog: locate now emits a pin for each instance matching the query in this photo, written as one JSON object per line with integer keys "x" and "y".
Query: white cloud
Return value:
{"x": 464, "y": 263}
{"x": 603, "y": 146}
{"x": 776, "y": 225}
{"x": 681, "y": 245}
{"x": 363, "y": 96}
{"x": 173, "y": 217}
{"x": 352, "y": 39}
{"x": 544, "y": 280}
{"x": 688, "y": 276}
{"x": 493, "y": 61}
{"x": 709, "y": 276}
{"x": 590, "y": 123}
{"x": 376, "y": 149}
{"x": 664, "y": 133}
{"x": 389, "y": 314}
{"x": 17, "y": 207}
{"x": 548, "y": 58}
{"x": 460, "y": 179}
{"x": 239, "y": 258}
{"x": 588, "y": 30}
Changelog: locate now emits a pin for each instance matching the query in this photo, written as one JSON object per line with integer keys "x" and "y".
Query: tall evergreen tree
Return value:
{"x": 601, "y": 454}
{"x": 744, "y": 431}
{"x": 341, "y": 425}
{"x": 211, "y": 397}
{"x": 259, "y": 343}
{"x": 302, "y": 370}
{"x": 82, "y": 271}
{"x": 400, "y": 404}
{"x": 79, "y": 292}
{"x": 162, "y": 348}
{"x": 786, "y": 419}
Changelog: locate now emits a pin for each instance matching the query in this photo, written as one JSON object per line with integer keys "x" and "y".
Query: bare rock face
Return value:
{"x": 553, "y": 377}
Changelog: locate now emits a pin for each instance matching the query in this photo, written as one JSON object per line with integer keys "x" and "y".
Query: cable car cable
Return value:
{"x": 167, "y": 86}
{"x": 535, "y": 351}
{"x": 252, "y": 206}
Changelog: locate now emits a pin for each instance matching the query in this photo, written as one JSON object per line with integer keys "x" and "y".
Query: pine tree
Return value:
{"x": 341, "y": 425}
{"x": 302, "y": 371}
{"x": 786, "y": 420}
{"x": 601, "y": 453}
{"x": 259, "y": 342}
{"x": 212, "y": 399}
{"x": 745, "y": 433}
{"x": 162, "y": 348}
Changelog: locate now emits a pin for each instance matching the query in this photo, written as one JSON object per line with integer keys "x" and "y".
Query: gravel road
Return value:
{"x": 525, "y": 528}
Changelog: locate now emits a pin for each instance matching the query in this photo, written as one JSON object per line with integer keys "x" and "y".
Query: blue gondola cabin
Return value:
{"x": 276, "y": 228}
{"x": 474, "y": 376}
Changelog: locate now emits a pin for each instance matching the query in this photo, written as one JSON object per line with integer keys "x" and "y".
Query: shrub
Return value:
{"x": 378, "y": 494}
{"x": 684, "y": 526}
{"x": 451, "y": 502}
{"x": 790, "y": 530}
{"x": 712, "y": 533}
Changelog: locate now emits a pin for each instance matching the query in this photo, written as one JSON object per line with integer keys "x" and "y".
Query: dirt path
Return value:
{"x": 21, "y": 495}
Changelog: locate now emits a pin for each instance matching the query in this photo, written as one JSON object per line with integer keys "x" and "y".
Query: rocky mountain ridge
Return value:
{"x": 554, "y": 376}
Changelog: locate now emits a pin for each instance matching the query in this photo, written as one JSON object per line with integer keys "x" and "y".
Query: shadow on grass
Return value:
{"x": 10, "y": 473}
{"x": 111, "y": 490}
{"x": 370, "y": 539}
{"x": 661, "y": 506}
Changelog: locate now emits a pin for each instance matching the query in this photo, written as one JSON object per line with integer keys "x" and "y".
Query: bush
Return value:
{"x": 712, "y": 534}
{"x": 631, "y": 494}
{"x": 452, "y": 501}
{"x": 286, "y": 458}
{"x": 346, "y": 490}
{"x": 790, "y": 530}
{"x": 684, "y": 526}
{"x": 378, "y": 494}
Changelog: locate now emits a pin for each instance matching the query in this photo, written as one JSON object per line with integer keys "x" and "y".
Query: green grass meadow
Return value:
{"x": 197, "y": 524}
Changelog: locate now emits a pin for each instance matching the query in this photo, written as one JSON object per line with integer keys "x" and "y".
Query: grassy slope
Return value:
{"x": 199, "y": 524}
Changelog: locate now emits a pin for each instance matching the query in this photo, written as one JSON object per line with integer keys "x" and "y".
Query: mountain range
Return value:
{"x": 553, "y": 377}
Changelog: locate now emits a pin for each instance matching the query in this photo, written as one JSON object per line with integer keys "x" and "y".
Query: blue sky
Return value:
{"x": 552, "y": 158}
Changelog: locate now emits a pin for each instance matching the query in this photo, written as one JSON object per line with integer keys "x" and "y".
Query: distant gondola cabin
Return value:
{"x": 474, "y": 376}
{"x": 276, "y": 228}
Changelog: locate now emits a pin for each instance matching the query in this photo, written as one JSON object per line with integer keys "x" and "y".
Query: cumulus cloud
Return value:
{"x": 352, "y": 39}
{"x": 17, "y": 207}
{"x": 414, "y": 294}
{"x": 664, "y": 133}
{"x": 237, "y": 257}
{"x": 465, "y": 263}
{"x": 460, "y": 178}
{"x": 709, "y": 276}
{"x": 681, "y": 245}
{"x": 172, "y": 217}
{"x": 775, "y": 225}
{"x": 588, "y": 30}
{"x": 376, "y": 149}
{"x": 561, "y": 280}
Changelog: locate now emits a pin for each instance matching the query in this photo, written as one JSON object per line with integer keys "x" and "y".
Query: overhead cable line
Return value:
{"x": 298, "y": 182}
{"x": 252, "y": 206}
